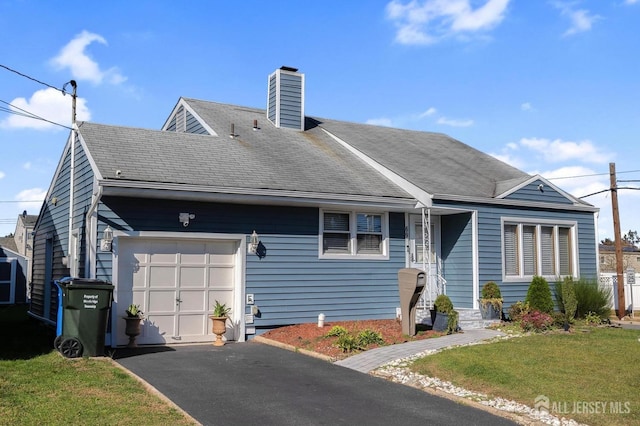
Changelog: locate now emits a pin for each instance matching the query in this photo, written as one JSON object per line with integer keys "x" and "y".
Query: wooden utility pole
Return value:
{"x": 618, "y": 240}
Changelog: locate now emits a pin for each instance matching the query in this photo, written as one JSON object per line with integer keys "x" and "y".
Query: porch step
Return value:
{"x": 469, "y": 319}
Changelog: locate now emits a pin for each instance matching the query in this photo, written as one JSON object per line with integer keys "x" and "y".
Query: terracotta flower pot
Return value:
{"x": 219, "y": 327}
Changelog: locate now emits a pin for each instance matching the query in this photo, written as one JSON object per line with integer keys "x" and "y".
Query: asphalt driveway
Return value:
{"x": 256, "y": 384}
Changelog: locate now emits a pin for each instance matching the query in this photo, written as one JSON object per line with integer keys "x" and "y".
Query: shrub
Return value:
{"x": 592, "y": 298}
{"x": 491, "y": 291}
{"x": 491, "y": 295}
{"x": 592, "y": 319}
{"x": 539, "y": 295}
{"x": 348, "y": 343}
{"x": 452, "y": 322}
{"x": 369, "y": 337}
{"x": 566, "y": 298}
{"x": 536, "y": 321}
{"x": 443, "y": 304}
{"x": 337, "y": 331}
{"x": 518, "y": 310}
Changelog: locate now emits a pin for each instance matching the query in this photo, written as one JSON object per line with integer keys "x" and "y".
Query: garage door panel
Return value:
{"x": 221, "y": 250}
{"x": 193, "y": 300}
{"x": 157, "y": 329}
{"x": 221, "y": 277}
{"x": 193, "y": 277}
{"x": 162, "y": 301}
{"x": 191, "y": 325}
{"x": 162, "y": 276}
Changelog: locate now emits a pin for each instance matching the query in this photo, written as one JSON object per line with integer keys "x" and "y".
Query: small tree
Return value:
{"x": 566, "y": 297}
{"x": 539, "y": 295}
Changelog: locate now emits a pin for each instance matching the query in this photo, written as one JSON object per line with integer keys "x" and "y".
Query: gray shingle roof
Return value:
{"x": 283, "y": 159}
{"x": 269, "y": 158}
{"x": 435, "y": 162}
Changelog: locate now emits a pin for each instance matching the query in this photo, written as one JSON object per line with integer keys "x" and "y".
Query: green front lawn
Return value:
{"x": 39, "y": 386}
{"x": 591, "y": 375}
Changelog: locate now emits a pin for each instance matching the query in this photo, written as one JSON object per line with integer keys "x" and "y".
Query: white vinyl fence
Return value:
{"x": 631, "y": 289}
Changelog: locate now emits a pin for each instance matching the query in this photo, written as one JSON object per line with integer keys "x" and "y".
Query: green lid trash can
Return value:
{"x": 85, "y": 313}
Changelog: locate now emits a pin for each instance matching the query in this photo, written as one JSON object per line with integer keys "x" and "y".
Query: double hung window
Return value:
{"x": 352, "y": 233}
{"x": 544, "y": 249}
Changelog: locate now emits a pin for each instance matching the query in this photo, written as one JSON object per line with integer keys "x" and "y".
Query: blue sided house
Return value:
{"x": 283, "y": 216}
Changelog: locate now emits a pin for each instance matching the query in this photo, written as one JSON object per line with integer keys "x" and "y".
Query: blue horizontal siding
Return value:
{"x": 531, "y": 192}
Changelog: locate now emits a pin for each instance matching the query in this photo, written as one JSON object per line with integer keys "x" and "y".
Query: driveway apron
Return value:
{"x": 256, "y": 384}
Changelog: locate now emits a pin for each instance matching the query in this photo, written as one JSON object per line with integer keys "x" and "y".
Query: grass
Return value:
{"x": 39, "y": 386}
{"x": 574, "y": 370}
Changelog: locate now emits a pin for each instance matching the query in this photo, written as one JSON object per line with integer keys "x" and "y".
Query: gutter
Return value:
{"x": 91, "y": 245}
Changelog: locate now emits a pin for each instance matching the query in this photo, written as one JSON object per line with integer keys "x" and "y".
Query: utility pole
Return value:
{"x": 618, "y": 240}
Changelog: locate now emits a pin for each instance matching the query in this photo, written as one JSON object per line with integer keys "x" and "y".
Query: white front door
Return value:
{"x": 176, "y": 284}
{"x": 417, "y": 250}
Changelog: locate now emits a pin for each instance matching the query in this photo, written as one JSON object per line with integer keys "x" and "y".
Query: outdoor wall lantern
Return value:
{"x": 107, "y": 239}
{"x": 253, "y": 243}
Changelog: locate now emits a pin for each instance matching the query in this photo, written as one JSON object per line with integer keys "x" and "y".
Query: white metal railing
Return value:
{"x": 631, "y": 289}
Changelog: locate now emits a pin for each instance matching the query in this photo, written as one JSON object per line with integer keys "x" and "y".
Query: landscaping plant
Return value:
{"x": 539, "y": 295}
{"x": 592, "y": 298}
{"x": 518, "y": 310}
{"x": 566, "y": 298}
{"x": 536, "y": 321}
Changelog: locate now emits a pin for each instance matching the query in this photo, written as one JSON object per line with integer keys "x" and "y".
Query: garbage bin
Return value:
{"x": 84, "y": 307}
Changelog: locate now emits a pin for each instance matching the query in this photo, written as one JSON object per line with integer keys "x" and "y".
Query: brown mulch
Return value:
{"x": 313, "y": 338}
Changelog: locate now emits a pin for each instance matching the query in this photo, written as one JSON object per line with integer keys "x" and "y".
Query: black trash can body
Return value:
{"x": 85, "y": 313}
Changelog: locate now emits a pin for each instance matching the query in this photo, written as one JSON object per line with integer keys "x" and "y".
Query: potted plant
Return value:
{"x": 219, "y": 320}
{"x": 491, "y": 301}
{"x": 446, "y": 316}
{"x": 133, "y": 320}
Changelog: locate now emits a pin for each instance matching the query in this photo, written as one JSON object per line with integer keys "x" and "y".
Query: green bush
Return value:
{"x": 518, "y": 310}
{"x": 592, "y": 319}
{"x": 592, "y": 298}
{"x": 348, "y": 343}
{"x": 566, "y": 298}
{"x": 337, "y": 331}
{"x": 443, "y": 304}
{"x": 539, "y": 295}
{"x": 452, "y": 322}
{"x": 491, "y": 291}
{"x": 369, "y": 337}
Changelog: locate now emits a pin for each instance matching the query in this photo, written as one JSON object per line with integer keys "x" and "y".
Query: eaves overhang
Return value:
{"x": 173, "y": 191}
{"x": 515, "y": 203}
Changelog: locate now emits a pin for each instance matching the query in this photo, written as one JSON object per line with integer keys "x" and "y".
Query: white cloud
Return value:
{"x": 27, "y": 165}
{"x": 380, "y": 122}
{"x": 428, "y": 113}
{"x": 30, "y": 195}
{"x": 526, "y": 106}
{"x": 454, "y": 122}
{"x": 509, "y": 159}
{"x": 581, "y": 19}
{"x": 2, "y": 175}
{"x": 559, "y": 150}
{"x": 429, "y": 21}
{"x": 631, "y": 1}
{"x": 49, "y": 104}
{"x": 74, "y": 57}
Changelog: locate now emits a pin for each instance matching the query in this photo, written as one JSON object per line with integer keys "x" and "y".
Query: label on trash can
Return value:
{"x": 90, "y": 301}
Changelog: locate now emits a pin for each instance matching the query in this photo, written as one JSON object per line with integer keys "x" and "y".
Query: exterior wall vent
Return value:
{"x": 285, "y": 100}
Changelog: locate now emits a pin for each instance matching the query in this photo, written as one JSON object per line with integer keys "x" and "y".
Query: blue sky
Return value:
{"x": 551, "y": 87}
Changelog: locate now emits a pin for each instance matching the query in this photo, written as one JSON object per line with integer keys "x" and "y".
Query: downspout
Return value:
{"x": 91, "y": 246}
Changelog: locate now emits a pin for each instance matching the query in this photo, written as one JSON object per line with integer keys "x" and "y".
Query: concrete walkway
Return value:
{"x": 370, "y": 360}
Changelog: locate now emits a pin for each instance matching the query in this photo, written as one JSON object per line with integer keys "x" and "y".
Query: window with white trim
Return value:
{"x": 353, "y": 234}
{"x": 543, "y": 249}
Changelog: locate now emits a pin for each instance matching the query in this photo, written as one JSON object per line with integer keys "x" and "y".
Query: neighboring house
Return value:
{"x": 13, "y": 269}
{"x": 333, "y": 209}
{"x": 23, "y": 237}
{"x": 630, "y": 258}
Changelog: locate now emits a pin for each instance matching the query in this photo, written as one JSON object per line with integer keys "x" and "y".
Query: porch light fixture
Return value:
{"x": 253, "y": 243}
{"x": 107, "y": 239}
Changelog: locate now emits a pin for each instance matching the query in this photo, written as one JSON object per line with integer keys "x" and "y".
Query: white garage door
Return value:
{"x": 176, "y": 283}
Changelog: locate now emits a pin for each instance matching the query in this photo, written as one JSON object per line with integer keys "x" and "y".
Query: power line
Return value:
{"x": 31, "y": 78}
{"x": 593, "y": 174}
{"x": 609, "y": 189}
{"x": 25, "y": 113}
